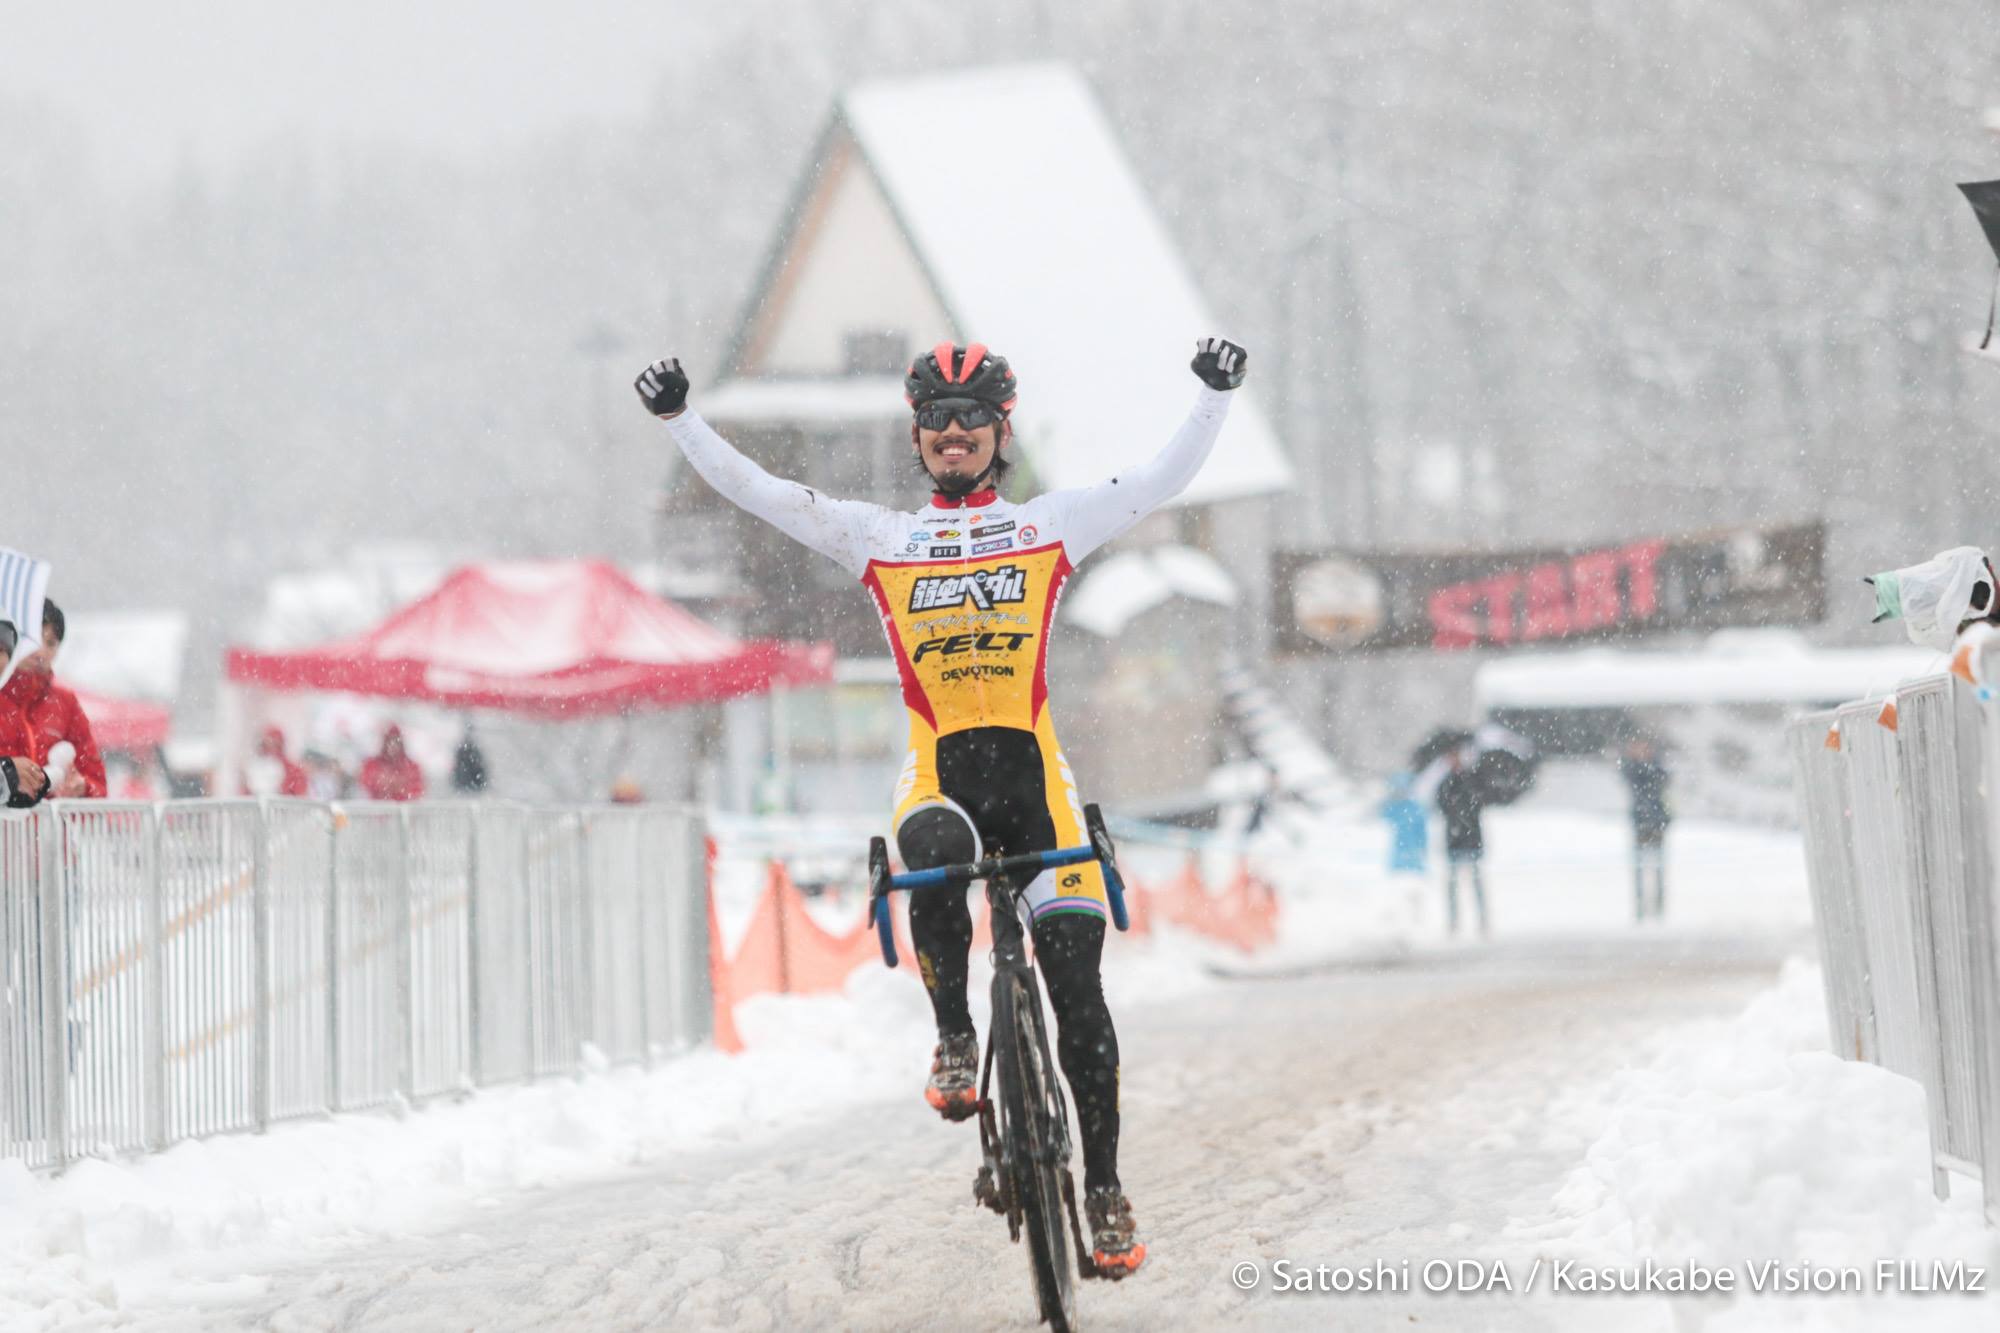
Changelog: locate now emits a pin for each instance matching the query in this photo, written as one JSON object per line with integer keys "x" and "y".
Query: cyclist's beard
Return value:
{"x": 958, "y": 485}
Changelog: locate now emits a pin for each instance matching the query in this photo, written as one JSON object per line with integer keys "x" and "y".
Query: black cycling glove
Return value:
{"x": 663, "y": 387}
{"x": 1219, "y": 363}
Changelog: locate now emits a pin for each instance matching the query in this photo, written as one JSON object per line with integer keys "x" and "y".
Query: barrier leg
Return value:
{"x": 55, "y": 989}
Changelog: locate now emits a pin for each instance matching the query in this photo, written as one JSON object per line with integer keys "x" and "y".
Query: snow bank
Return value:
{"x": 1747, "y": 1140}
{"x": 74, "y": 1247}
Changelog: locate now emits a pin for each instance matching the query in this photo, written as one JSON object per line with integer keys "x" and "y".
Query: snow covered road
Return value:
{"x": 1323, "y": 1116}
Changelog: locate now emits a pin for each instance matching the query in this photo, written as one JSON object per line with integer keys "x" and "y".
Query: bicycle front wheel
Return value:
{"x": 1033, "y": 1139}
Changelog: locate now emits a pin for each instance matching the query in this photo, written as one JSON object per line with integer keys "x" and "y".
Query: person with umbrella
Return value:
{"x": 1461, "y": 802}
{"x": 1464, "y": 772}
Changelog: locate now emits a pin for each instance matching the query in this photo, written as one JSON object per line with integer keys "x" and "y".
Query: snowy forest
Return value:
{"x": 1510, "y": 272}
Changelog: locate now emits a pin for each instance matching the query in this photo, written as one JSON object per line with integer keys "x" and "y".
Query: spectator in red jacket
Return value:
{"x": 392, "y": 775}
{"x": 271, "y": 772}
{"x": 22, "y": 781}
{"x": 55, "y": 714}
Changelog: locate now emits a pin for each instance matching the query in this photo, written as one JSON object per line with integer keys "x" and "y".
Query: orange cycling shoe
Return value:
{"x": 1113, "y": 1248}
{"x": 952, "y": 1090}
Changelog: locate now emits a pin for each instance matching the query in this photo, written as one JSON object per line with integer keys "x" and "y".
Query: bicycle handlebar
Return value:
{"x": 882, "y": 883}
{"x": 992, "y": 865}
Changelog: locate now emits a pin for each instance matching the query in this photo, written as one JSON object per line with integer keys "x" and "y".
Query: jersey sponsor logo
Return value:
{"x": 943, "y": 533}
{"x": 981, "y": 588}
{"x": 982, "y": 671}
{"x": 920, "y": 536}
{"x": 946, "y": 550}
{"x": 1028, "y": 535}
{"x": 994, "y": 529}
{"x": 981, "y": 548}
{"x": 951, "y": 645}
{"x": 973, "y": 620}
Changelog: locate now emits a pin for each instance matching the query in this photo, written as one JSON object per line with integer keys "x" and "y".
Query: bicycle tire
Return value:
{"x": 1027, "y": 1095}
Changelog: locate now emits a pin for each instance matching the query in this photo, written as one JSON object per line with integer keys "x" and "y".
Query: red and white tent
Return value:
{"x": 551, "y": 639}
{"x": 125, "y": 724}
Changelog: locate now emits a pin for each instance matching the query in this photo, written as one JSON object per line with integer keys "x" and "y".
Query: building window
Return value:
{"x": 877, "y": 351}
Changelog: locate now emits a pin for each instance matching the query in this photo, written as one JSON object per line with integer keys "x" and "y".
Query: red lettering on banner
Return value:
{"x": 1595, "y": 580}
{"x": 1562, "y": 599}
{"x": 1548, "y": 604}
{"x": 1641, "y": 593}
{"x": 1499, "y": 592}
{"x": 1452, "y": 623}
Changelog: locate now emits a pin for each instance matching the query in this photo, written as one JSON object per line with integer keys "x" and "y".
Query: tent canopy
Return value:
{"x": 125, "y": 724}
{"x": 549, "y": 638}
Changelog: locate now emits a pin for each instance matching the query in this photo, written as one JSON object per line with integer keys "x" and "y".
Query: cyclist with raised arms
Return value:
{"x": 967, "y": 588}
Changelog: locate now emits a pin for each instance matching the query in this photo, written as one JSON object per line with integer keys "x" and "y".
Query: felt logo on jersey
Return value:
{"x": 981, "y": 588}
{"x": 983, "y": 547}
{"x": 1028, "y": 535}
{"x": 993, "y": 529}
{"x": 943, "y": 533}
{"x": 953, "y": 644}
{"x": 944, "y": 550}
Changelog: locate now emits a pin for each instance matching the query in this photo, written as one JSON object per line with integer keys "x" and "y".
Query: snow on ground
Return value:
{"x": 1548, "y": 873}
{"x": 1723, "y": 1138}
{"x": 1745, "y": 1141}
{"x": 75, "y": 1248}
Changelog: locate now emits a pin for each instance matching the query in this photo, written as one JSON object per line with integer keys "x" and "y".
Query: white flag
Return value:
{"x": 24, "y": 583}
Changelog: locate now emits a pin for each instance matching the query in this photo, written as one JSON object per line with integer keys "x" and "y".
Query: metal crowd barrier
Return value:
{"x": 1900, "y": 807}
{"x": 175, "y": 970}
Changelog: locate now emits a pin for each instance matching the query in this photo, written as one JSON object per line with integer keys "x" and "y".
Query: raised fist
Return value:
{"x": 663, "y": 388}
{"x": 1219, "y": 363}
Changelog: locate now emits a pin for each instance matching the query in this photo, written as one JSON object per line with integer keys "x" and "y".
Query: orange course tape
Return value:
{"x": 786, "y": 951}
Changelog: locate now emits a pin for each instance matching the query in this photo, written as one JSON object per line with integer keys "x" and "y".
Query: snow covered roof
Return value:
{"x": 1064, "y": 267}
{"x": 1774, "y": 668}
{"x": 1125, "y": 586}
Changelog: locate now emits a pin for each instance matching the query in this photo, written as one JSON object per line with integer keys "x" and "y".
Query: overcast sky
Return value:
{"x": 154, "y": 84}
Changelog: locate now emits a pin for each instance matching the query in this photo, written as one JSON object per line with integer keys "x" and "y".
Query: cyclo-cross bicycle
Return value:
{"x": 1024, "y": 1175}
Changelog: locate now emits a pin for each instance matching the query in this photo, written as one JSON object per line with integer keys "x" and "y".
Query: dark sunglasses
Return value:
{"x": 969, "y": 414}
{"x": 9, "y": 636}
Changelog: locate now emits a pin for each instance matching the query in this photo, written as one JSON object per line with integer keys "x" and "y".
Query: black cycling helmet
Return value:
{"x": 951, "y": 371}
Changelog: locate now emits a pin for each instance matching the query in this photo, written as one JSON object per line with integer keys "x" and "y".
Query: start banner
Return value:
{"x": 1353, "y": 601}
